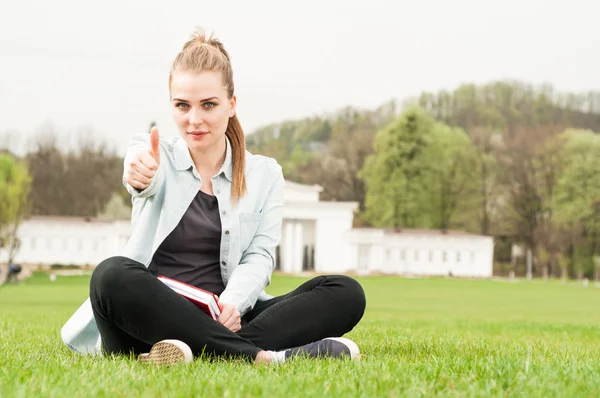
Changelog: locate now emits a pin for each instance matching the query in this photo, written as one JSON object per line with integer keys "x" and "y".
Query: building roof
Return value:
{"x": 303, "y": 187}
{"x": 416, "y": 231}
{"x": 72, "y": 219}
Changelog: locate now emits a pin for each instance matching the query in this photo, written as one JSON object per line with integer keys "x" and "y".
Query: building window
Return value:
{"x": 444, "y": 256}
{"x": 458, "y": 257}
{"x": 416, "y": 255}
{"x": 65, "y": 244}
{"x": 472, "y": 257}
{"x": 364, "y": 254}
{"x": 33, "y": 243}
{"x": 49, "y": 243}
{"x": 403, "y": 254}
{"x": 430, "y": 255}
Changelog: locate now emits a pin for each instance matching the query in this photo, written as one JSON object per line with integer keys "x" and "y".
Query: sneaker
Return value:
{"x": 331, "y": 347}
{"x": 168, "y": 352}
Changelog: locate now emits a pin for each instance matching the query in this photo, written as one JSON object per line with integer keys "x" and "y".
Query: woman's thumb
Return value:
{"x": 154, "y": 144}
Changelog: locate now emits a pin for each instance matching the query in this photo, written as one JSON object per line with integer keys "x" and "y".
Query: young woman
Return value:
{"x": 208, "y": 213}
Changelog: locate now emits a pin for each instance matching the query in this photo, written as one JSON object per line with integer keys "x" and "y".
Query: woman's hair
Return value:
{"x": 208, "y": 54}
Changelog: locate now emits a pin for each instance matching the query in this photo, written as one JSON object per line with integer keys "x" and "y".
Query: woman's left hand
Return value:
{"x": 230, "y": 317}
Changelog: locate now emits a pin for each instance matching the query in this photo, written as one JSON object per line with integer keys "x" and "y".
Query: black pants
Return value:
{"x": 134, "y": 310}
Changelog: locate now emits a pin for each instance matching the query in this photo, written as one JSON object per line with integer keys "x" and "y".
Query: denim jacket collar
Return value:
{"x": 183, "y": 159}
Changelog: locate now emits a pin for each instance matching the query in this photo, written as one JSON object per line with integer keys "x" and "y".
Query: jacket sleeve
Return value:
{"x": 253, "y": 274}
{"x": 138, "y": 143}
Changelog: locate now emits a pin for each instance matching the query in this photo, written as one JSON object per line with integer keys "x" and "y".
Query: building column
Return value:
{"x": 287, "y": 256}
{"x": 298, "y": 245}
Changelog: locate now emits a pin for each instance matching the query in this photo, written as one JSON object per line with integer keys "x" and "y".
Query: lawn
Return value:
{"x": 419, "y": 337}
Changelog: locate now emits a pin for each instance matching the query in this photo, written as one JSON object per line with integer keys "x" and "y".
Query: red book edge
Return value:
{"x": 200, "y": 304}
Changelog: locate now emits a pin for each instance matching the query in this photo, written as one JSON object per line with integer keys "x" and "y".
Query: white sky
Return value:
{"x": 105, "y": 64}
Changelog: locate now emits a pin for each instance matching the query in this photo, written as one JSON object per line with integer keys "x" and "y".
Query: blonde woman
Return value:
{"x": 208, "y": 213}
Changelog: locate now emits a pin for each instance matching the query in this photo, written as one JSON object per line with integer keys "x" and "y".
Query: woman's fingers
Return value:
{"x": 146, "y": 164}
{"x": 230, "y": 318}
{"x": 136, "y": 184}
{"x": 141, "y": 170}
{"x": 134, "y": 175}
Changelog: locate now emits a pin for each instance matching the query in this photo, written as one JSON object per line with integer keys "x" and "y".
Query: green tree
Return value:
{"x": 393, "y": 173}
{"x": 449, "y": 158}
{"x": 577, "y": 198}
{"x": 15, "y": 184}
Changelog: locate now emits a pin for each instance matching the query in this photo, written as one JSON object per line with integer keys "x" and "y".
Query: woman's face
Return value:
{"x": 201, "y": 108}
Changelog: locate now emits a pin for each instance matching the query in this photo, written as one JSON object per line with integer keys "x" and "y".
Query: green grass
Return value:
{"x": 419, "y": 337}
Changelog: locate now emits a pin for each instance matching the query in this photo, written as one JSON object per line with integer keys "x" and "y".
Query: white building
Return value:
{"x": 420, "y": 252}
{"x": 306, "y": 221}
{"x": 70, "y": 240}
{"x": 316, "y": 236}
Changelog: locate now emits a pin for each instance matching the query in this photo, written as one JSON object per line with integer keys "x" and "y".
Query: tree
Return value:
{"x": 47, "y": 166}
{"x": 448, "y": 160}
{"x": 346, "y": 157}
{"x": 93, "y": 174}
{"x": 531, "y": 160}
{"x": 15, "y": 184}
{"x": 577, "y": 199}
{"x": 337, "y": 169}
{"x": 116, "y": 208}
{"x": 78, "y": 182}
{"x": 393, "y": 172}
{"x": 485, "y": 176}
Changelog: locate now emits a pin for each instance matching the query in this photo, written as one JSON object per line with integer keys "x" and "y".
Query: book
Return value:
{"x": 206, "y": 300}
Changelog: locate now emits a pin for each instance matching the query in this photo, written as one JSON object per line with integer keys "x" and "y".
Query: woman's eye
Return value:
{"x": 209, "y": 105}
{"x": 182, "y": 105}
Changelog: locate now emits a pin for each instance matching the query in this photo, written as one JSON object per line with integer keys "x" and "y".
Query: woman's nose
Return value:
{"x": 196, "y": 117}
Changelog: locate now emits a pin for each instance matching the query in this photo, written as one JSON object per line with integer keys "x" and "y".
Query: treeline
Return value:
{"x": 503, "y": 159}
{"x": 508, "y": 105}
{"x": 80, "y": 176}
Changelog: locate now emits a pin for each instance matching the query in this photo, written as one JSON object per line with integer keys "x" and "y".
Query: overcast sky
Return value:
{"x": 105, "y": 64}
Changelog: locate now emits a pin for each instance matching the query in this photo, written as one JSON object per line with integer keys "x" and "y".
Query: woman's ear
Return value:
{"x": 232, "y": 102}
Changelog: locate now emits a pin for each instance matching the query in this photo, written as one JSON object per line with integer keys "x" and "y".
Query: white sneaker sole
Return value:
{"x": 168, "y": 352}
{"x": 354, "y": 351}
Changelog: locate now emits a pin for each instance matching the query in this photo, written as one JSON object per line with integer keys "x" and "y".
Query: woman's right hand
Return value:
{"x": 143, "y": 166}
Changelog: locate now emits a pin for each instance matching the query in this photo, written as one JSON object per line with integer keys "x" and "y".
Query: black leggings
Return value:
{"x": 134, "y": 310}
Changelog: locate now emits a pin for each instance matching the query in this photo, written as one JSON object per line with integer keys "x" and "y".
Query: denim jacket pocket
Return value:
{"x": 248, "y": 227}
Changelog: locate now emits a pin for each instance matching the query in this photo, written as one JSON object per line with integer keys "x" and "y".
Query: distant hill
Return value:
{"x": 501, "y": 105}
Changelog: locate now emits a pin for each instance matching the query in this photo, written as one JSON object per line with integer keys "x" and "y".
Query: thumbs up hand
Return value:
{"x": 143, "y": 166}
{"x": 154, "y": 141}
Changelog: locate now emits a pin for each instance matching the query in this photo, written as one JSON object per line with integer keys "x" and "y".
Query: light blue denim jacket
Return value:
{"x": 251, "y": 228}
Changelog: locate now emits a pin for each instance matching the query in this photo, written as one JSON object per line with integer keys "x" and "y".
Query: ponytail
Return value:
{"x": 238, "y": 153}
